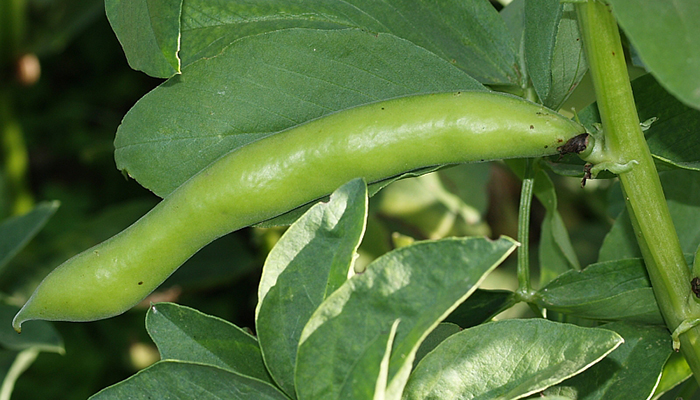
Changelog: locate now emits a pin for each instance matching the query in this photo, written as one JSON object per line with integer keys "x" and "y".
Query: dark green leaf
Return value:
{"x": 185, "y": 334}
{"x": 16, "y": 232}
{"x": 665, "y": 35}
{"x": 149, "y": 32}
{"x": 553, "y": 49}
{"x": 674, "y": 137}
{"x": 469, "y": 34}
{"x": 608, "y": 291}
{"x": 310, "y": 261}
{"x": 418, "y": 285}
{"x": 632, "y": 371}
{"x": 434, "y": 338}
{"x": 219, "y": 263}
{"x": 480, "y": 307}
{"x": 556, "y": 253}
{"x": 262, "y": 85}
{"x": 682, "y": 190}
{"x": 180, "y": 380}
{"x": 508, "y": 359}
{"x": 36, "y": 334}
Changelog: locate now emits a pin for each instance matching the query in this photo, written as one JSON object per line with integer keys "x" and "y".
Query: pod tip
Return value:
{"x": 17, "y": 323}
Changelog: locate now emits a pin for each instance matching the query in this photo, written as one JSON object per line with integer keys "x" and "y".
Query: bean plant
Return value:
{"x": 338, "y": 124}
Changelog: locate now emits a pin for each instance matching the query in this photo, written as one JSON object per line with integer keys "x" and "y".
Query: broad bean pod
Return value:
{"x": 278, "y": 173}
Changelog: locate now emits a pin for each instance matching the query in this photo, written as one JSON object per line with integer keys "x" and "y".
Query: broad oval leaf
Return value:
{"x": 607, "y": 291}
{"x": 418, "y": 285}
{"x": 632, "y": 371}
{"x": 508, "y": 359}
{"x": 665, "y": 34}
{"x": 264, "y": 84}
{"x": 185, "y": 334}
{"x": 309, "y": 262}
{"x": 470, "y": 34}
{"x": 181, "y": 380}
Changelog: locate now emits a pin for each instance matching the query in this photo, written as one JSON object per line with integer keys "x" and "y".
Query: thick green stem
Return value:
{"x": 624, "y": 142}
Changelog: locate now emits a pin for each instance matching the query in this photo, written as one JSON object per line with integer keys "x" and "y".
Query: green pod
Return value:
{"x": 273, "y": 175}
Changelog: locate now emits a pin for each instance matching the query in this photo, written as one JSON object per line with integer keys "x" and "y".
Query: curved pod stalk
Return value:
{"x": 281, "y": 172}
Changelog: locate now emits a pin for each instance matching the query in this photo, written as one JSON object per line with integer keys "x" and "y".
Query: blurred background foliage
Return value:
{"x": 65, "y": 121}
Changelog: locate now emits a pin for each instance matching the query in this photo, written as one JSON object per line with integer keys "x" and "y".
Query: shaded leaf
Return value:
{"x": 673, "y": 138}
{"x": 480, "y": 307}
{"x": 632, "y": 371}
{"x": 185, "y": 334}
{"x": 39, "y": 335}
{"x": 262, "y": 85}
{"x": 418, "y": 284}
{"x": 553, "y": 50}
{"x": 682, "y": 190}
{"x": 556, "y": 253}
{"x": 310, "y": 261}
{"x": 149, "y": 32}
{"x": 508, "y": 359}
{"x": 16, "y": 232}
{"x": 665, "y": 36}
{"x": 180, "y": 380}
{"x": 607, "y": 291}
{"x": 434, "y": 338}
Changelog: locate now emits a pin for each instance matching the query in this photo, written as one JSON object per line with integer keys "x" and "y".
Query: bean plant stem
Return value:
{"x": 644, "y": 198}
{"x": 523, "y": 268}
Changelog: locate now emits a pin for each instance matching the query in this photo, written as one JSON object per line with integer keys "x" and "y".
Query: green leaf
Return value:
{"x": 171, "y": 379}
{"x": 607, "y": 291}
{"x": 185, "y": 334}
{"x": 434, "y": 338}
{"x": 682, "y": 190}
{"x": 556, "y": 253}
{"x": 149, "y": 32}
{"x": 676, "y": 370}
{"x": 418, "y": 284}
{"x": 39, "y": 335}
{"x": 673, "y": 138}
{"x": 632, "y": 371}
{"x": 221, "y": 262}
{"x": 264, "y": 84}
{"x": 469, "y": 34}
{"x": 16, "y": 232}
{"x": 665, "y": 35}
{"x": 553, "y": 50}
{"x": 508, "y": 359}
{"x": 480, "y": 307}
{"x": 310, "y": 261}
